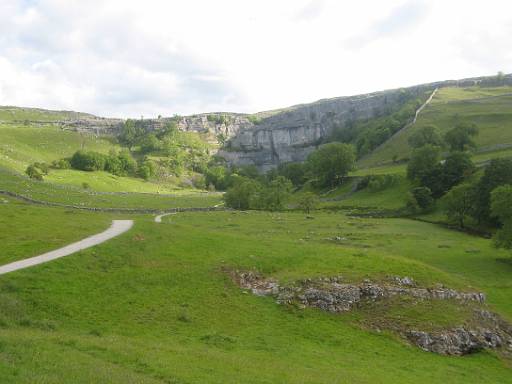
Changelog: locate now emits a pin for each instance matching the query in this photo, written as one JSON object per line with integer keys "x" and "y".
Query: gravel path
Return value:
{"x": 118, "y": 227}
{"x": 158, "y": 219}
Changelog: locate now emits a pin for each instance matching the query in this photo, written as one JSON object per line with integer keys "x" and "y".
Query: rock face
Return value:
{"x": 486, "y": 330}
{"x": 267, "y": 139}
{"x": 292, "y": 134}
{"x": 491, "y": 332}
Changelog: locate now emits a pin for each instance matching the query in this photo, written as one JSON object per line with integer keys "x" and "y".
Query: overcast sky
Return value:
{"x": 129, "y": 58}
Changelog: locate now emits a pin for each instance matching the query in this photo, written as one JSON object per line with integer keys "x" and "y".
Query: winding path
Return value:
{"x": 158, "y": 219}
{"x": 118, "y": 227}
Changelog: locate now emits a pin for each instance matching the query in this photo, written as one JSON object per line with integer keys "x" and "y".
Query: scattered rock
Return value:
{"x": 333, "y": 295}
{"x": 453, "y": 342}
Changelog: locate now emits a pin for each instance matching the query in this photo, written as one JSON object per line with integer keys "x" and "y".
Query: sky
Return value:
{"x": 132, "y": 58}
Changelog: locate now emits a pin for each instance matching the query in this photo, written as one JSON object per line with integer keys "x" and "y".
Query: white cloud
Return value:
{"x": 127, "y": 58}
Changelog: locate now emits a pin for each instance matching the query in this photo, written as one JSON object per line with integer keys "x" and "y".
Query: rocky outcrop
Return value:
{"x": 485, "y": 330}
{"x": 291, "y": 134}
{"x": 490, "y": 332}
{"x": 267, "y": 139}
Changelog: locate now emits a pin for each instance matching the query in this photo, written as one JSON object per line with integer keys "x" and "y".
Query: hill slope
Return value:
{"x": 489, "y": 108}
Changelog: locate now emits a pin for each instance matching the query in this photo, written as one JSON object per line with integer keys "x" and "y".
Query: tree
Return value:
{"x": 308, "y": 202}
{"x": 457, "y": 167}
{"x": 146, "y": 170}
{"x": 128, "y": 162}
{"x": 114, "y": 165}
{"x": 427, "y": 135}
{"x": 250, "y": 171}
{"x": 501, "y": 207}
{"x": 131, "y": 132}
{"x": 149, "y": 143}
{"x": 459, "y": 138}
{"x": 241, "y": 194}
{"x": 458, "y": 202}
{"x": 423, "y": 161}
{"x": 275, "y": 196}
{"x": 217, "y": 176}
{"x": 331, "y": 162}
{"x": 295, "y": 172}
{"x": 497, "y": 173}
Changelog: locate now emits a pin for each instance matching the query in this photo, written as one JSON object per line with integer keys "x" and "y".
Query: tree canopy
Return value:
{"x": 331, "y": 162}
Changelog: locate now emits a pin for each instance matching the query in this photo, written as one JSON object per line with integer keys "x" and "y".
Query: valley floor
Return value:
{"x": 155, "y": 305}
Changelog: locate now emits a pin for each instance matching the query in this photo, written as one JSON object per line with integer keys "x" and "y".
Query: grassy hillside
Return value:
{"x": 489, "y": 108}
{"x": 23, "y": 144}
{"x": 154, "y": 305}
{"x": 50, "y": 229}
{"x": 19, "y": 114}
{"x": 69, "y": 195}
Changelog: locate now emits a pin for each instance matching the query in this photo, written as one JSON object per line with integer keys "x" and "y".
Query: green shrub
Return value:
{"x": 420, "y": 200}
{"x": 61, "y": 164}
{"x": 34, "y": 173}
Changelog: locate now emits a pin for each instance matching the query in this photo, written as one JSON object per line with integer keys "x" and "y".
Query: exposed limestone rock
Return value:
{"x": 454, "y": 342}
{"x": 490, "y": 331}
{"x": 332, "y": 294}
{"x": 270, "y": 138}
{"x": 291, "y": 134}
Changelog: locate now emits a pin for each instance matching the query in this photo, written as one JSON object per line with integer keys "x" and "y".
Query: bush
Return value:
{"x": 43, "y": 167}
{"x": 88, "y": 161}
{"x": 61, "y": 164}
{"x": 34, "y": 173}
{"x": 114, "y": 166}
{"x": 274, "y": 196}
{"x": 150, "y": 143}
{"x": 381, "y": 182}
{"x": 428, "y": 135}
{"x": 295, "y": 172}
{"x": 199, "y": 181}
{"x": 420, "y": 200}
{"x": 308, "y": 202}
{"x": 242, "y": 193}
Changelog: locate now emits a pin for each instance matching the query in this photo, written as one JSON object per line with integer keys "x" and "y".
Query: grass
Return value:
{"x": 391, "y": 198}
{"x": 23, "y": 145}
{"x": 17, "y": 114}
{"x": 488, "y": 108}
{"x": 47, "y": 229}
{"x": 63, "y": 194}
{"x": 107, "y": 182}
{"x": 155, "y": 306}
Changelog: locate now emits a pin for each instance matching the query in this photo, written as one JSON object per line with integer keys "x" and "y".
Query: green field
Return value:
{"x": 155, "y": 306}
{"x": 489, "y": 108}
{"x": 23, "y": 144}
{"x": 158, "y": 304}
{"x": 69, "y": 195}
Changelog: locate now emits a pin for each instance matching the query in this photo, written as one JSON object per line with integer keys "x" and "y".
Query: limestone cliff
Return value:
{"x": 267, "y": 139}
{"x": 291, "y": 134}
